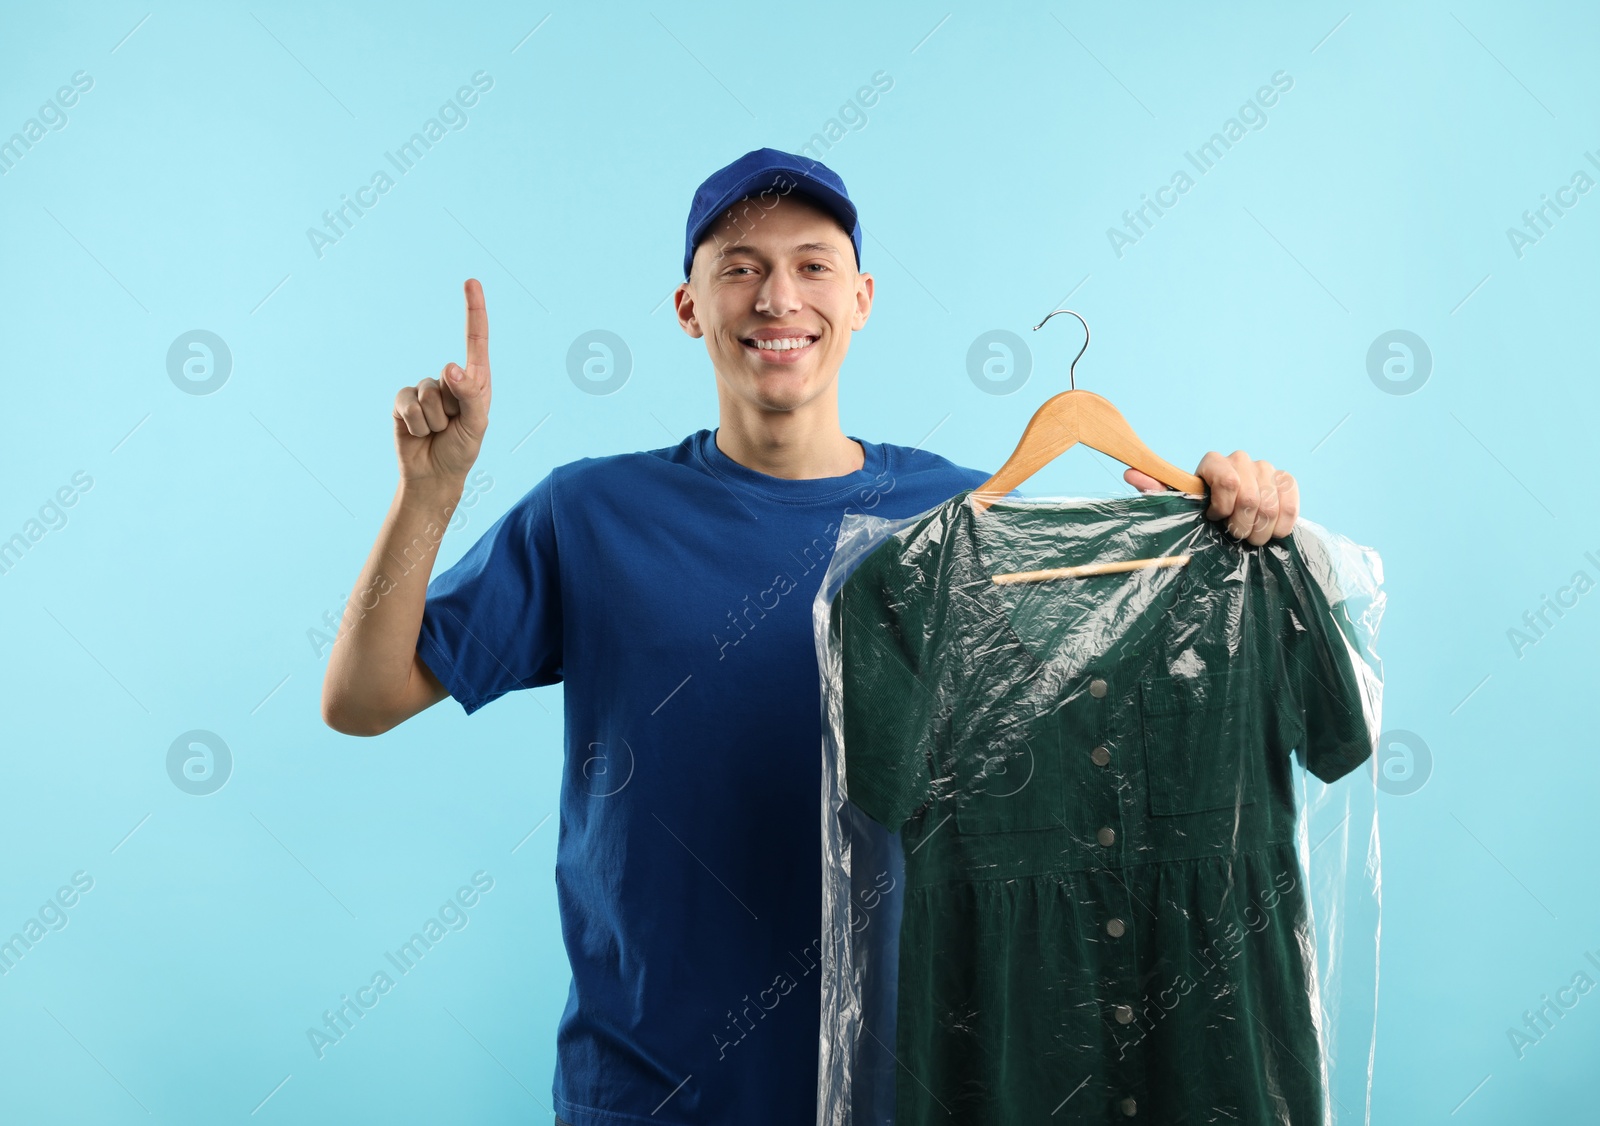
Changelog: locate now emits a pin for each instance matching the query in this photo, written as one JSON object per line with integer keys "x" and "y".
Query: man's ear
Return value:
{"x": 683, "y": 304}
{"x": 864, "y": 288}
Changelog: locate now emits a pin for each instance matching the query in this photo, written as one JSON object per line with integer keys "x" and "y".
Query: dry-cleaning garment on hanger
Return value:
{"x": 1104, "y": 914}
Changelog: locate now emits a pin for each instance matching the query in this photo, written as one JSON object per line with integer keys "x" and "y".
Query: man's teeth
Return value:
{"x": 782, "y": 344}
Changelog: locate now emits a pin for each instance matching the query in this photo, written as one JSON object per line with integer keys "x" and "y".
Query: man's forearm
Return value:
{"x": 373, "y": 655}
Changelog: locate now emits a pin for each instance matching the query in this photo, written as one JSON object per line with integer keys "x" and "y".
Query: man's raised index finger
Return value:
{"x": 477, "y": 330}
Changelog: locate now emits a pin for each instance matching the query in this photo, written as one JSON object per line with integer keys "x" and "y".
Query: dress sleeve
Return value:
{"x": 1325, "y": 715}
{"x": 887, "y": 688}
{"x": 492, "y": 622}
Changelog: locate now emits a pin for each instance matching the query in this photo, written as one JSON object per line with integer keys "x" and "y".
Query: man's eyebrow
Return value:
{"x": 803, "y": 248}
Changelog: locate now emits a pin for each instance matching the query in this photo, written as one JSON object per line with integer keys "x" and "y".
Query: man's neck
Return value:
{"x": 782, "y": 446}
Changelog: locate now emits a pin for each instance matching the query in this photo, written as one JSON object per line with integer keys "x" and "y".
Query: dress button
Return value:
{"x": 1116, "y": 928}
{"x": 1124, "y": 1014}
{"x": 1128, "y": 1106}
{"x": 1097, "y": 688}
{"x": 1099, "y": 756}
{"x": 1106, "y": 836}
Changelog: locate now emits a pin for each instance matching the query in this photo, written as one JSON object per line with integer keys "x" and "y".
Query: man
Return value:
{"x": 671, "y": 592}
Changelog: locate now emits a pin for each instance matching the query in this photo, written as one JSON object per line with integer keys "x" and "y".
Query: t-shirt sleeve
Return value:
{"x": 888, "y": 699}
{"x": 1323, "y": 668}
{"x": 492, "y": 621}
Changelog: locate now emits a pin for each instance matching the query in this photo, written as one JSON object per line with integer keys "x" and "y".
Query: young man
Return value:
{"x": 671, "y": 591}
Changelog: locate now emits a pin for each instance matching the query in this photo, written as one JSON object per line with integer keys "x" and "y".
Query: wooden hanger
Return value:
{"x": 1072, "y": 417}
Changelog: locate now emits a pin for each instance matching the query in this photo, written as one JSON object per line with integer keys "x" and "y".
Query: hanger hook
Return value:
{"x": 1071, "y": 377}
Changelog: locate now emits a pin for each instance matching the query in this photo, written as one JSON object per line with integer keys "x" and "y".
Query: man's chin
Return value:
{"x": 779, "y": 388}
{"x": 781, "y": 397}
{"x": 781, "y": 403}
{"x": 796, "y": 381}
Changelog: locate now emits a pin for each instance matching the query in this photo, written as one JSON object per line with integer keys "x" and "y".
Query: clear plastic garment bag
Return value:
{"x": 1099, "y": 821}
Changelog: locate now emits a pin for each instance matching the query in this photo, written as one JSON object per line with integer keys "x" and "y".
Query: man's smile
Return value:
{"x": 780, "y": 346}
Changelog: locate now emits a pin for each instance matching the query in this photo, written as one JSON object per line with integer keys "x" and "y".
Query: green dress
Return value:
{"x": 1104, "y": 916}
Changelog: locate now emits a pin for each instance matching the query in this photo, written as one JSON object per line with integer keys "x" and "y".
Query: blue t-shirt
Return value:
{"x": 671, "y": 591}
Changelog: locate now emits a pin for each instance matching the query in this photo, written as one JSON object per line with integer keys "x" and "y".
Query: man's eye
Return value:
{"x": 818, "y": 265}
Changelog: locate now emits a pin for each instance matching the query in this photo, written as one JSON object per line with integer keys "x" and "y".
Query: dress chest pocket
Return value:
{"x": 1201, "y": 740}
{"x": 1009, "y": 785}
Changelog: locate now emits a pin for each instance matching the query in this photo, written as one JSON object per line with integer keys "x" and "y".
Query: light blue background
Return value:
{"x": 219, "y": 528}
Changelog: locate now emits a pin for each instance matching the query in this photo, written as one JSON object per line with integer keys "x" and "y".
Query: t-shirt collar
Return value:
{"x": 802, "y": 490}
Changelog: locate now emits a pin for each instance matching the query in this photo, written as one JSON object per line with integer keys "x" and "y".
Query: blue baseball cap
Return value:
{"x": 768, "y": 174}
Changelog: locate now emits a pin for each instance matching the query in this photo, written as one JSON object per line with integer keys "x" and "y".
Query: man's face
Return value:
{"x": 775, "y": 292}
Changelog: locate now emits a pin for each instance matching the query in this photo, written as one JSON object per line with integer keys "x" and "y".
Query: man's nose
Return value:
{"x": 779, "y": 295}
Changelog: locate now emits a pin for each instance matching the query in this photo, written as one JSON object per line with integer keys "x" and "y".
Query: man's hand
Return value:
{"x": 439, "y": 423}
{"x": 1257, "y": 501}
